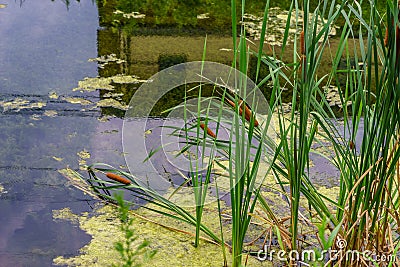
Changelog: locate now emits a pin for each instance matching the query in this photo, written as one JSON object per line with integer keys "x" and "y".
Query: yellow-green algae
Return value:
{"x": 50, "y": 113}
{"x": 276, "y": 26}
{"x": 133, "y": 15}
{"x": 53, "y": 95}
{"x": 57, "y": 158}
{"x": 19, "y": 103}
{"x": 78, "y": 100}
{"x": 102, "y": 61}
{"x": 84, "y": 154}
{"x": 2, "y": 191}
{"x": 176, "y": 248}
{"x": 173, "y": 248}
{"x": 111, "y": 102}
{"x": 105, "y": 83}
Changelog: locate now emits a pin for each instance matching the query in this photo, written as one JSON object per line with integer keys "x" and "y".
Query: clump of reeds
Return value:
{"x": 366, "y": 214}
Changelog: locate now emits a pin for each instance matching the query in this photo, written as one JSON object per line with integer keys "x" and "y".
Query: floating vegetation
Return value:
{"x": 93, "y": 84}
{"x": 147, "y": 132}
{"x": 101, "y": 83}
{"x": 2, "y": 190}
{"x": 57, "y": 158}
{"x": 174, "y": 247}
{"x": 104, "y": 118}
{"x": 110, "y": 94}
{"x": 333, "y": 96}
{"x": 53, "y": 95}
{"x": 110, "y": 102}
{"x": 277, "y": 25}
{"x": 78, "y": 100}
{"x": 84, "y": 154}
{"x": 19, "y": 103}
{"x": 203, "y": 16}
{"x": 126, "y": 79}
{"x": 50, "y": 113}
{"x": 36, "y": 117}
{"x": 102, "y": 61}
{"x": 114, "y": 131}
{"x": 132, "y": 15}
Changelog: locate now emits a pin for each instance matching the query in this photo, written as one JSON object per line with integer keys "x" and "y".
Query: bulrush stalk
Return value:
{"x": 118, "y": 178}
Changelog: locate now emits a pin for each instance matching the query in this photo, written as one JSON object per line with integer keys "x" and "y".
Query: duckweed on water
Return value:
{"x": 126, "y": 79}
{"x": 276, "y": 26}
{"x": 102, "y": 83}
{"x": 110, "y": 102}
{"x": 173, "y": 248}
{"x": 53, "y": 95}
{"x": 35, "y": 117}
{"x": 93, "y": 84}
{"x": 78, "y": 100}
{"x": 84, "y": 154}
{"x": 2, "y": 190}
{"x": 50, "y": 113}
{"x": 57, "y": 158}
{"x": 203, "y": 16}
{"x": 132, "y": 15}
{"x": 102, "y": 61}
{"x": 19, "y": 103}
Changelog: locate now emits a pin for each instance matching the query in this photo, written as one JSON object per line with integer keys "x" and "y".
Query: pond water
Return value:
{"x": 44, "y": 51}
{"x": 65, "y": 82}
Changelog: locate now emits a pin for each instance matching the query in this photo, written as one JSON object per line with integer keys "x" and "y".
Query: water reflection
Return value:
{"x": 43, "y": 53}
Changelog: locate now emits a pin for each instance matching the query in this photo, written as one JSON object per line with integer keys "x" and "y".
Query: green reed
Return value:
{"x": 368, "y": 200}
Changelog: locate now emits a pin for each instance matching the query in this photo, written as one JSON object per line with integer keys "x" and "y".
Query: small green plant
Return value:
{"x": 131, "y": 255}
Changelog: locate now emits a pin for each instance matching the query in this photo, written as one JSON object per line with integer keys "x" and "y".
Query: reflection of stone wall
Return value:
{"x": 166, "y": 60}
{"x": 146, "y": 50}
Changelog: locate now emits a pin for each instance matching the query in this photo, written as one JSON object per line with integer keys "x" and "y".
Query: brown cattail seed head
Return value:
{"x": 209, "y": 131}
{"x": 118, "y": 178}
